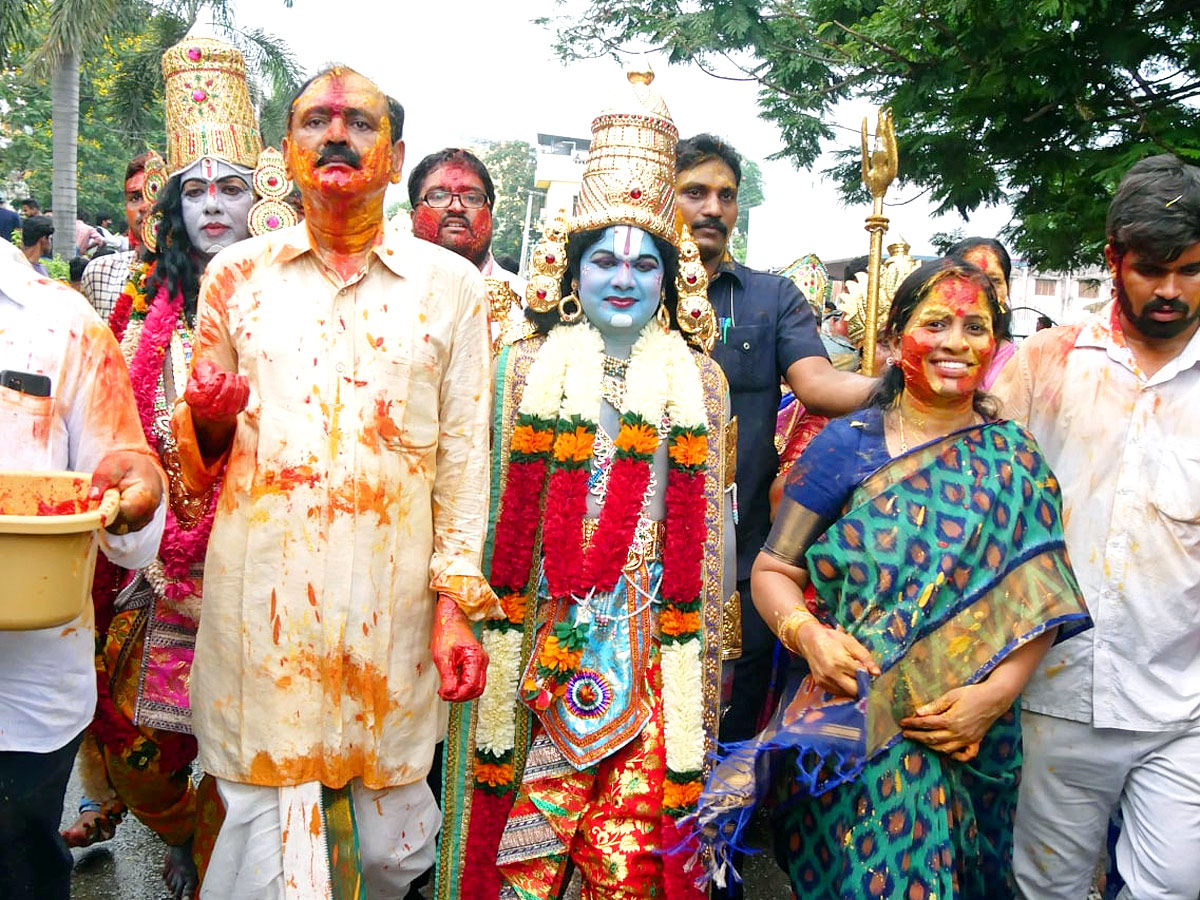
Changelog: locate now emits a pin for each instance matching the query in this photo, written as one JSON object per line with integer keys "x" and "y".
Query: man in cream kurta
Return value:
{"x": 355, "y": 490}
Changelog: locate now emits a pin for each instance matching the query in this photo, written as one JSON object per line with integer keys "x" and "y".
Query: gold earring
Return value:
{"x": 664, "y": 317}
{"x": 566, "y": 313}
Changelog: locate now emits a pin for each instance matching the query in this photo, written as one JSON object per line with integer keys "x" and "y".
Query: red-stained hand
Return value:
{"x": 460, "y": 659}
{"x": 137, "y": 478}
{"x": 214, "y": 394}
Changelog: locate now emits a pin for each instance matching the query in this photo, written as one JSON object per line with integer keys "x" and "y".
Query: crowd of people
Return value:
{"x": 433, "y": 579}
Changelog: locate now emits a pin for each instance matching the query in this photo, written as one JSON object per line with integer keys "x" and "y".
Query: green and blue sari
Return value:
{"x": 942, "y": 562}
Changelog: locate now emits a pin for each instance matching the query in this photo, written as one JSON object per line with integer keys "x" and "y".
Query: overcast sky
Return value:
{"x": 480, "y": 69}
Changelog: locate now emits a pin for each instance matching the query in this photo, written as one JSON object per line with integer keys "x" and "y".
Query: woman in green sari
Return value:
{"x": 930, "y": 534}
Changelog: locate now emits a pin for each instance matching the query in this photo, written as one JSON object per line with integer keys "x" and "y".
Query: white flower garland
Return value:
{"x": 496, "y": 728}
{"x": 683, "y": 719}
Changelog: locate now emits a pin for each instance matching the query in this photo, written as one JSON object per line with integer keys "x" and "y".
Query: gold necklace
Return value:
{"x": 903, "y": 439}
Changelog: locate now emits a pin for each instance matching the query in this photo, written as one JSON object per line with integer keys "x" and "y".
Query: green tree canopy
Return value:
{"x": 106, "y": 143}
{"x": 82, "y": 92}
{"x": 1042, "y": 104}
{"x": 511, "y": 165}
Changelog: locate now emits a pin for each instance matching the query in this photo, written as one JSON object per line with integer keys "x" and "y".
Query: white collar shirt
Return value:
{"x": 355, "y": 488}
{"x": 1126, "y": 449}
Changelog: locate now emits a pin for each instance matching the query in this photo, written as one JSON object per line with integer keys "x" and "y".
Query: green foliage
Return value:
{"x": 120, "y": 43}
{"x": 105, "y": 144}
{"x": 943, "y": 240}
{"x": 511, "y": 165}
{"x": 750, "y": 195}
{"x": 58, "y": 268}
{"x": 1042, "y": 104}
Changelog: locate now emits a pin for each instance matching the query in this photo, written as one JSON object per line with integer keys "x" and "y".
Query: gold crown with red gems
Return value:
{"x": 629, "y": 179}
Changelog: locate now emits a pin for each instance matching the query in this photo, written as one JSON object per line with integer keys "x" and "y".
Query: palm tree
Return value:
{"x": 72, "y": 25}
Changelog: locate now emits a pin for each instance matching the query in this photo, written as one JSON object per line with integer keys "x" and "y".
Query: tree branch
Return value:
{"x": 890, "y": 51}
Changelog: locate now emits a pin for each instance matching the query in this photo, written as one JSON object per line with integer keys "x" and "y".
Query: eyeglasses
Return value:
{"x": 439, "y": 199}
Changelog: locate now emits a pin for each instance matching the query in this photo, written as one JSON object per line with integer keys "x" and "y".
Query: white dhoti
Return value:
{"x": 1074, "y": 776}
{"x": 273, "y": 843}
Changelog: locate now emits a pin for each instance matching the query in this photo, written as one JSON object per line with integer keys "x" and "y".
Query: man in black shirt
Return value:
{"x": 766, "y": 333}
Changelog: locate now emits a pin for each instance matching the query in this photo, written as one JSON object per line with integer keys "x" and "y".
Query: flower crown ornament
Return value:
{"x": 271, "y": 183}
{"x": 156, "y": 179}
{"x": 549, "y": 262}
{"x": 695, "y": 313}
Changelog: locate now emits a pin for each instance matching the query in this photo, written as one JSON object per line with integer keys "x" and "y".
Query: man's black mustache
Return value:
{"x": 338, "y": 153}
{"x": 714, "y": 224}
{"x": 1160, "y": 304}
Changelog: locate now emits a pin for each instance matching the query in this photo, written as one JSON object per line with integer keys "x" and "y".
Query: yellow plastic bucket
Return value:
{"x": 47, "y": 547}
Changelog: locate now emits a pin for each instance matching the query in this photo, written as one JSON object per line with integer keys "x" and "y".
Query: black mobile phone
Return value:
{"x": 26, "y": 383}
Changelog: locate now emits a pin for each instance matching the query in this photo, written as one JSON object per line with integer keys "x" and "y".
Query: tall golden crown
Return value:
{"x": 629, "y": 178}
{"x": 208, "y": 105}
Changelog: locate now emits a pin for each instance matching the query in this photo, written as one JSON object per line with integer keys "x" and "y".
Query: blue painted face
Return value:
{"x": 620, "y": 281}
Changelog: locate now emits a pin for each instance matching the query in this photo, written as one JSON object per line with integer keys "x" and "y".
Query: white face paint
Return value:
{"x": 215, "y": 203}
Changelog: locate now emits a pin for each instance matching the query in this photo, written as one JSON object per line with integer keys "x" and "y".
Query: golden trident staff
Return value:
{"x": 879, "y": 167}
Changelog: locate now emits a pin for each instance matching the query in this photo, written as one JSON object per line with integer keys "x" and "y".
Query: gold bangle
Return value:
{"x": 790, "y": 624}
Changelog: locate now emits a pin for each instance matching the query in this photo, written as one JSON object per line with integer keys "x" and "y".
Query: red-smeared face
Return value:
{"x": 985, "y": 258}
{"x": 136, "y": 205}
{"x": 947, "y": 344}
{"x": 340, "y": 143}
{"x": 461, "y": 227}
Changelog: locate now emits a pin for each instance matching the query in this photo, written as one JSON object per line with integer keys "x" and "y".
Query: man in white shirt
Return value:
{"x": 87, "y": 422}
{"x": 341, "y": 381}
{"x": 1112, "y": 717}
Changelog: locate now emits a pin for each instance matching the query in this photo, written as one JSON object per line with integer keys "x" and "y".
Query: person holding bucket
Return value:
{"x": 65, "y": 403}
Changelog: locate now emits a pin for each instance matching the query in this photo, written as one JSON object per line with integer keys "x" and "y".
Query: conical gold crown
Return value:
{"x": 629, "y": 178}
{"x": 209, "y": 112}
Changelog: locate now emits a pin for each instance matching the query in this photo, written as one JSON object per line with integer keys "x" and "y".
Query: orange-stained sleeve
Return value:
{"x": 102, "y": 418}
{"x": 460, "y": 487}
{"x": 213, "y": 341}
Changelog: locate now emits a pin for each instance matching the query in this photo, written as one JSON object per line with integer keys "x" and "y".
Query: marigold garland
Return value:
{"x": 554, "y": 435}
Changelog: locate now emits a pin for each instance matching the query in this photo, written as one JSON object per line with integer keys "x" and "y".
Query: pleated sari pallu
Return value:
{"x": 943, "y": 562}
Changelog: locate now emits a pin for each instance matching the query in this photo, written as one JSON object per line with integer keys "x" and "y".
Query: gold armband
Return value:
{"x": 790, "y": 625}
{"x": 731, "y": 627}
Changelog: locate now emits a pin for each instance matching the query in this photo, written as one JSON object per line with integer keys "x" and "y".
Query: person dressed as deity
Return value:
{"x": 139, "y": 749}
{"x": 932, "y": 536}
{"x": 608, "y": 550}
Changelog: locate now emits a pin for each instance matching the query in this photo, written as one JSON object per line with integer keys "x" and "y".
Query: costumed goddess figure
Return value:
{"x": 139, "y": 750}
{"x": 611, "y": 543}
{"x": 932, "y": 534}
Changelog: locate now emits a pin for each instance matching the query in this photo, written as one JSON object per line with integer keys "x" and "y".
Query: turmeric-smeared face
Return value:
{"x": 340, "y": 142}
{"x": 947, "y": 343}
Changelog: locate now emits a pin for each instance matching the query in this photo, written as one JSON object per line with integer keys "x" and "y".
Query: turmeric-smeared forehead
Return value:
{"x": 337, "y": 92}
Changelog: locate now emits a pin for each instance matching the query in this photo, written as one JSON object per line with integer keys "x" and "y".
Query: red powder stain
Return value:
{"x": 61, "y": 508}
{"x": 312, "y": 595}
{"x": 381, "y": 427}
{"x": 285, "y": 481}
{"x": 41, "y": 430}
